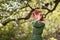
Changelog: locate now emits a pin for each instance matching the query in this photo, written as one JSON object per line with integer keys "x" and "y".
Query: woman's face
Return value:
{"x": 37, "y": 15}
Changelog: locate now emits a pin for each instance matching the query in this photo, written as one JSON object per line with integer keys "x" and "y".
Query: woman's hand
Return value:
{"x": 38, "y": 17}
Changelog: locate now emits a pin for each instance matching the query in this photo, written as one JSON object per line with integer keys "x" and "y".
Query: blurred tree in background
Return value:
{"x": 16, "y": 20}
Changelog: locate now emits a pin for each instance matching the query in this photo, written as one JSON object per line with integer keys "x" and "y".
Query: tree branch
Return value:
{"x": 28, "y": 16}
{"x": 56, "y": 3}
{"x": 9, "y": 20}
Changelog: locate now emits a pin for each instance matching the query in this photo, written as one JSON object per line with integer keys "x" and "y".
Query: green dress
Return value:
{"x": 37, "y": 30}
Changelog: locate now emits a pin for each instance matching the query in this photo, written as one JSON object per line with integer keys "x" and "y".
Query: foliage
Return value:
{"x": 22, "y": 29}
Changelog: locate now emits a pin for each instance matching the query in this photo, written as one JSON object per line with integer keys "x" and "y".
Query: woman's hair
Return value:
{"x": 37, "y": 12}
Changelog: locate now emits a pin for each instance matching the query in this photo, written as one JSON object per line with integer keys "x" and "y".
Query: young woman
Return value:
{"x": 38, "y": 25}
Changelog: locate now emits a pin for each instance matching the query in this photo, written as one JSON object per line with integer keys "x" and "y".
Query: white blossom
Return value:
{"x": 1, "y": 25}
{"x": 15, "y": 23}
